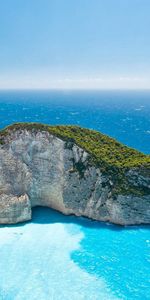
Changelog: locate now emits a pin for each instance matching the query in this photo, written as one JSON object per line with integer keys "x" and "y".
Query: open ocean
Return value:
{"x": 55, "y": 257}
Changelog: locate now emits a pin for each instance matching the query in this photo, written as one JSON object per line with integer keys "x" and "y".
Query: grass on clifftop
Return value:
{"x": 103, "y": 149}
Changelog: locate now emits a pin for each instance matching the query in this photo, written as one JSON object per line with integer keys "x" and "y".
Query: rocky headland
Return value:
{"x": 73, "y": 170}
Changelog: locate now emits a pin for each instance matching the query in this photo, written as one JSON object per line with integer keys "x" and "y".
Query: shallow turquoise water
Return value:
{"x": 62, "y": 258}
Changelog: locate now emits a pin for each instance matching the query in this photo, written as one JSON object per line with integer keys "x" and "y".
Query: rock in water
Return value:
{"x": 73, "y": 170}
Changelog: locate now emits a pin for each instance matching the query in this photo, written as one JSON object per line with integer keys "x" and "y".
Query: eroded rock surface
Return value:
{"x": 40, "y": 169}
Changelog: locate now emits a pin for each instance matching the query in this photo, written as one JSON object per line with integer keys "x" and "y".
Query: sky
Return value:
{"x": 73, "y": 44}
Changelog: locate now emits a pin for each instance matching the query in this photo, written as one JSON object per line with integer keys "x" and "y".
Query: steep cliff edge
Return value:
{"x": 73, "y": 170}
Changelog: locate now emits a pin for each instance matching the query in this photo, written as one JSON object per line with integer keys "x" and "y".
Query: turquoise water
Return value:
{"x": 55, "y": 257}
{"x": 63, "y": 258}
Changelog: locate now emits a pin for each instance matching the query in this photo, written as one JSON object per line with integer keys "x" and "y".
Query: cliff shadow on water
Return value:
{"x": 45, "y": 215}
{"x": 105, "y": 251}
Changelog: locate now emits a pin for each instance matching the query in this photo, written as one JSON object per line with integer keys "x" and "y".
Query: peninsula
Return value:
{"x": 73, "y": 170}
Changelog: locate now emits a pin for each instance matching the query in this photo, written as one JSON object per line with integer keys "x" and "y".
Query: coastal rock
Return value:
{"x": 38, "y": 168}
{"x": 14, "y": 209}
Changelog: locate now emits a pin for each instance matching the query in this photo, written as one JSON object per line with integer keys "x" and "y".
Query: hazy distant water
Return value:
{"x": 55, "y": 257}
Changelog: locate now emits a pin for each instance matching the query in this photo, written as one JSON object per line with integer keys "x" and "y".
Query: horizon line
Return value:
{"x": 73, "y": 89}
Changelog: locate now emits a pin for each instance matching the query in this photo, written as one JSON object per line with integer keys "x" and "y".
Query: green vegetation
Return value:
{"x": 102, "y": 148}
{"x": 107, "y": 153}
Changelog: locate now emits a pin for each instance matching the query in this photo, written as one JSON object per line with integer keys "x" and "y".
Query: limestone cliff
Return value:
{"x": 54, "y": 167}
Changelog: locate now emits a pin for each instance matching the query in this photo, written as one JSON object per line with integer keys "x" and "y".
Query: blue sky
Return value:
{"x": 75, "y": 44}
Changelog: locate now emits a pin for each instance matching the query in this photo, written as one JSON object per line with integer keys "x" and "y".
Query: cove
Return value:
{"x": 64, "y": 257}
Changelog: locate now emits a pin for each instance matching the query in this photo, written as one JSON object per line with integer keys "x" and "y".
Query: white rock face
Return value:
{"x": 14, "y": 209}
{"x": 41, "y": 169}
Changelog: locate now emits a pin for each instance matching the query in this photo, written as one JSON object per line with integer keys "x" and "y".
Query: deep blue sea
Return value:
{"x": 55, "y": 257}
